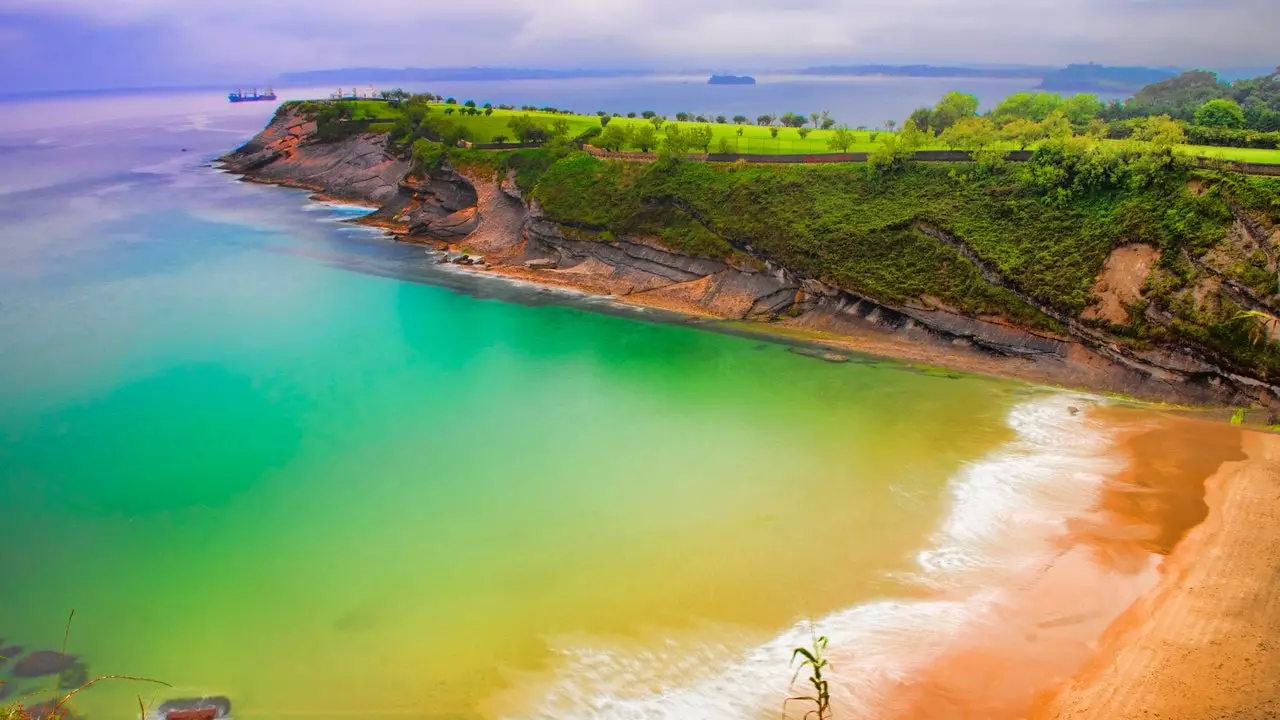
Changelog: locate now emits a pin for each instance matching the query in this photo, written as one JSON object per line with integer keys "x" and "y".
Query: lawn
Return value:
{"x": 754, "y": 139}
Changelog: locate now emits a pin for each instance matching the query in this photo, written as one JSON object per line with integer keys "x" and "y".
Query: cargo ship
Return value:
{"x": 241, "y": 96}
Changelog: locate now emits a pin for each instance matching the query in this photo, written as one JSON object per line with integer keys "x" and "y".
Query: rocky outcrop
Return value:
{"x": 286, "y": 153}
{"x": 491, "y": 217}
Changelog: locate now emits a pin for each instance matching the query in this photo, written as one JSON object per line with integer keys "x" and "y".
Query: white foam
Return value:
{"x": 1007, "y": 510}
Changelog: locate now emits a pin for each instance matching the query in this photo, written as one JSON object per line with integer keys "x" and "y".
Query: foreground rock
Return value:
{"x": 43, "y": 662}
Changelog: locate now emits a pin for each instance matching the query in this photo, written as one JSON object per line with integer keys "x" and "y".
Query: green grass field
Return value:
{"x": 753, "y": 140}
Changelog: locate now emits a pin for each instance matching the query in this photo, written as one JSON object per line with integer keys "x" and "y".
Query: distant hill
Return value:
{"x": 409, "y": 75}
{"x": 928, "y": 71}
{"x": 1103, "y": 78}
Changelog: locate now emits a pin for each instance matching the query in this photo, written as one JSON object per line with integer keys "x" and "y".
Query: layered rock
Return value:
{"x": 491, "y": 217}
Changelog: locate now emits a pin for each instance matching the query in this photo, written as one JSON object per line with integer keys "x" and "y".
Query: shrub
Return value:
{"x": 1220, "y": 112}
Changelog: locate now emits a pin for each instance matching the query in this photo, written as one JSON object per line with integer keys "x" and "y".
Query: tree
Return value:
{"x": 804, "y": 132}
{"x": 740, "y": 131}
{"x": 526, "y": 129}
{"x": 1081, "y": 108}
{"x": 739, "y": 119}
{"x": 1033, "y": 106}
{"x": 631, "y": 115}
{"x": 601, "y": 113}
{"x": 604, "y": 120}
{"x": 701, "y": 119}
{"x": 815, "y": 118}
{"x": 469, "y": 103}
{"x": 1023, "y": 132}
{"x": 614, "y": 137}
{"x": 647, "y": 114}
{"x": 897, "y": 149}
{"x": 890, "y": 125}
{"x": 794, "y": 120}
{"x": 1163, "y": 131}
{"x": 841, "y": 139}
{"x": 921, "y": 117}
{"x": 1057, "y": 125}
{"x": 488, "y": 111}
{"x": 1220, "y": 113}
{"x": 721, "y": 120}
{"x": 448, "y": 111}
{"x": 700, "y": 137}
{"x": 559, "y": 128}
{"x": 971, "y": 134}
{"x": 683, "y": 117}
{"x": 773, "y": 131}
{"x": 676, "y": 145}
{"x": 657, "y": 123}
{"x": 953, "y": 107}
{"x": 645, "y": 137}
{"x": 450, "y": 101}
{"x": 500, "y": 139}
{"x": 723, "y": 147}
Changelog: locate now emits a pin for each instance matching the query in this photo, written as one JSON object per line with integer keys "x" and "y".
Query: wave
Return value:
{"x": 1006, "y": 595}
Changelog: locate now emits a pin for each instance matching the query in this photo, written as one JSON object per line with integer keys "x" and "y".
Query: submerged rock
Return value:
{"x": 43, "y": 662}
{"x": 74, "y": 677}
{"x": 820, "y": 354}
{"x": 9, "y": 654}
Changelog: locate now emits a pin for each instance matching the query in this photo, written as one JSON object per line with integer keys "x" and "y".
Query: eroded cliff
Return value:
{"x": 993, "y": 282}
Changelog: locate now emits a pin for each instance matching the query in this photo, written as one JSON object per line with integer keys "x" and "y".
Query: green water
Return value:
{"x": 256, "y": 465}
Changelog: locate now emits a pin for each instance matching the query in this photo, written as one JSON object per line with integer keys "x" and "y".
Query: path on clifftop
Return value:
{"x": 1206, "y": 643}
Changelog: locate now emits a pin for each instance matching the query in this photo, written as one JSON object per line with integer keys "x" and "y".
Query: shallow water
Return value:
{"x": 268, "y": 454}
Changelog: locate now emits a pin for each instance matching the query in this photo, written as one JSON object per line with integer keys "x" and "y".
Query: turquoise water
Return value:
{"x": 267, "y": 454}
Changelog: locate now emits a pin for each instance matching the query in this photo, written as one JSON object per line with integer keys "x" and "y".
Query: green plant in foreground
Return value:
{"x": 814, "y": 660}
{"x": 1237, "y": 417}
{"x": 57, "y": 708}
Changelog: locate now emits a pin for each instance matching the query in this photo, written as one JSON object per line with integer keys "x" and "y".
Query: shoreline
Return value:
{"x": 1201, "y": 642}
{"x": 872, "y": 342}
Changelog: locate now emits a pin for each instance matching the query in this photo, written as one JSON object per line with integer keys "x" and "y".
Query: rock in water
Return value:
{"x": 43, "y": 662}
{"x": 194, "y": 708}
{"x": 74, "y": 677}
{"x": 9, "y": 654}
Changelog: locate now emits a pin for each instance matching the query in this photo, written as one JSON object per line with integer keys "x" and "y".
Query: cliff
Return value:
{"x": 1132, "y": 290}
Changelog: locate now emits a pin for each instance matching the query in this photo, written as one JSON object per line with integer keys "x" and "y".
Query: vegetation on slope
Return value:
{"x": 1047, "y": 228}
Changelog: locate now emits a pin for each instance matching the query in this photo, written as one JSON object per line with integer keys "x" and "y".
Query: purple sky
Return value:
{"x": 64, "y": 44}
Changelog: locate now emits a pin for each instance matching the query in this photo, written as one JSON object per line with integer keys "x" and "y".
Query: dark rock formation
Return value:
{"x": 9, "y": 654}
{"x": 43, "y": 662}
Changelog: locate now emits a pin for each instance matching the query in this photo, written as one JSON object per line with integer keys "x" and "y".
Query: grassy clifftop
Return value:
{"x": 940, "y": 233}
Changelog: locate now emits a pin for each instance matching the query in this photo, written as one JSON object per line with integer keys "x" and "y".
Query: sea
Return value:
{"x": 251, "y": 449}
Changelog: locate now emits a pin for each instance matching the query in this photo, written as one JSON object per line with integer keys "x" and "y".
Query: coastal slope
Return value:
{"x": 933, "y": 265}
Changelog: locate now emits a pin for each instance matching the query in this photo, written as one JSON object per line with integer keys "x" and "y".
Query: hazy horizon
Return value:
{"x": 87, "y": 44}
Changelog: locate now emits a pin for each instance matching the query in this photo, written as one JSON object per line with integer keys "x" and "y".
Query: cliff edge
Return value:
{"x": 1135, "y": 292}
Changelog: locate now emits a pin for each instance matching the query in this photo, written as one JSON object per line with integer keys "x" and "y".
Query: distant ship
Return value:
{"x": 731, "y": 80}
{"x": 240, "y": 96}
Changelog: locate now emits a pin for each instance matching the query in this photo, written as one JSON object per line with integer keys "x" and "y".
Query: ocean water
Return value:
{"x": 268, "y": 454}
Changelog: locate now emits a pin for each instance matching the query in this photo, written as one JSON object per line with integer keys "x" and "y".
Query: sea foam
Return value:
{"x": 1003, "y": 529}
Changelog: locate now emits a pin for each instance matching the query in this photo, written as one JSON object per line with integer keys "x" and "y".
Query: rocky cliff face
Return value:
{"x": 492, "y": 218}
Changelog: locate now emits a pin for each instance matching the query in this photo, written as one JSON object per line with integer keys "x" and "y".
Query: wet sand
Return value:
{"x": 1205, "y": 641}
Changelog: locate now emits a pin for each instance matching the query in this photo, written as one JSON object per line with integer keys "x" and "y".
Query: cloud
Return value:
{"x": 235, "y": 38}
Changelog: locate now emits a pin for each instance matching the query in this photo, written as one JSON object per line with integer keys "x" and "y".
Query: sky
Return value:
{"x": 74, "y": 44}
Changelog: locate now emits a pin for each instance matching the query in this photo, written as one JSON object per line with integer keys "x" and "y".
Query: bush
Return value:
{"x": 1229, "y": 137}
{"x": 1220, "y": 112}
